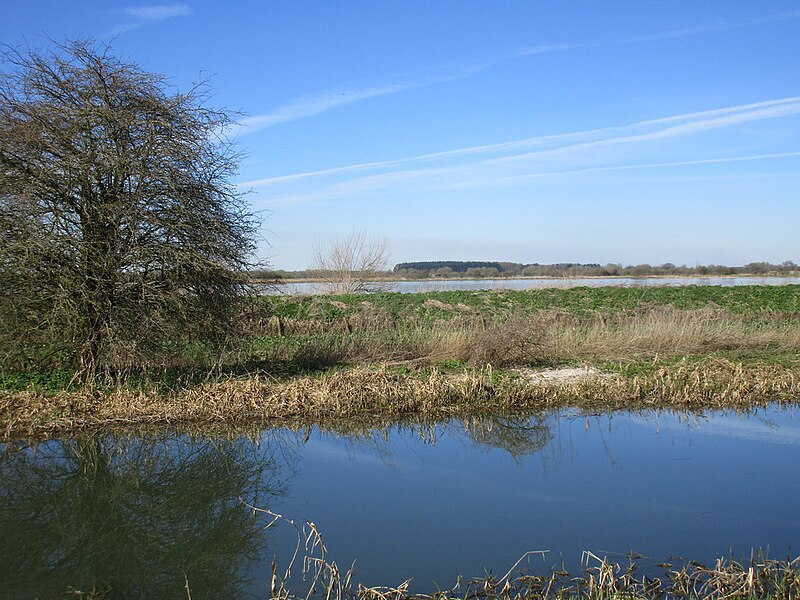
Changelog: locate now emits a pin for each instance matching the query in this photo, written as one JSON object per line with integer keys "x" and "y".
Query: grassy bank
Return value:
{"x": 378, "y": 393}
{"x": 344, "y": 357}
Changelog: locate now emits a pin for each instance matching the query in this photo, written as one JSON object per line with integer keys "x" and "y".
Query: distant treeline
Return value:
{"x": 483, "y": 269}
{"x": 478, "y": 269}
{"x": 455, "y": 266}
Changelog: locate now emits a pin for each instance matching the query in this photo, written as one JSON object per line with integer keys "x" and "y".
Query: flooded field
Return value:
{"x": 434, "y": 285}
{"x": 144, "y": 515}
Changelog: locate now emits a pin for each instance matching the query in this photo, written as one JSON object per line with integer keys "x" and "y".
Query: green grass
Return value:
{"x": 432, "y": 306}
{"x": 54, "y": 380}
{"x": 636, "y": 329}
{"x": 630, "y": 331}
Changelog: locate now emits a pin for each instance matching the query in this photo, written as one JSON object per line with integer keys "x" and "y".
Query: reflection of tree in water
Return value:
{"x": 519, "y": 436}
{"x": 135, "y": 518}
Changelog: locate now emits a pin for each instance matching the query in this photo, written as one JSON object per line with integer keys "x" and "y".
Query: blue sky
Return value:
{"x": 474, "y": 130}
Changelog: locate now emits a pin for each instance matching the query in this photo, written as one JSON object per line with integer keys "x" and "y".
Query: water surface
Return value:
{"x": 432, "y": 285}
{"x": 144, "y": 514}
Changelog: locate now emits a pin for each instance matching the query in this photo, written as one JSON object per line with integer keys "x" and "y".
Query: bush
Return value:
{"x": 517, "y": 341}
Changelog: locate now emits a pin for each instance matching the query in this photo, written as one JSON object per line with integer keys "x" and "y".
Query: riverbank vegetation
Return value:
{"x": 599, "y": 579}
{"x": 607, "y": 580}
{"x": 440, "y": 353}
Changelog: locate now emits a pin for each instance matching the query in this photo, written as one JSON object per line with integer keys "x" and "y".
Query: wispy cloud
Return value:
{"x": 713, "y": 28}
{"x": 544, "y": 49}
{"x": 359, "y": 186}
{"x": 557, "y": 155}
{"x": 675, "y": 126}
{"x": 539, "y": 152}
{"x": 149, "y": 15}
{"x": 628, "y": 167}
{"x": 316, "y": 104}
{"x": 319, "y": 103}
{"x": 158, "y": 12}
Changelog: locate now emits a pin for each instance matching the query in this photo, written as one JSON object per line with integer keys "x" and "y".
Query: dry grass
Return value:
{"x": 361, "y": 392}
{"x": 310, "y": 572}
{"x": 544, "y": 338}
{"x": 517, "y": 341}
{"x": 665, "y": 330}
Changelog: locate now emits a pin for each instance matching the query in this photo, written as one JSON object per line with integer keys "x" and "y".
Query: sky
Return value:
{"x": 524, "y": 131}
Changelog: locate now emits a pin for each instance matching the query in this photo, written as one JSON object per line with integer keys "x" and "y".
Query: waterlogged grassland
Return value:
{"x": 429, "y": 307}
{"x": 333, "y": 357}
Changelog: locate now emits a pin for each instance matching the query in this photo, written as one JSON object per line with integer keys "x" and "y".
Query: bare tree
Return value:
{"x": 120, "y": 232}
{"x": 353, "y": 265}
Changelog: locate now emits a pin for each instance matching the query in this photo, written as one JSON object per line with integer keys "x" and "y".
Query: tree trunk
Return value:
{"x": 100, "y": 268}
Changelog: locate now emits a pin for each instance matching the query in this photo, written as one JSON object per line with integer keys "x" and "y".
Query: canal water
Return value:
{"x": 142, "y": 515}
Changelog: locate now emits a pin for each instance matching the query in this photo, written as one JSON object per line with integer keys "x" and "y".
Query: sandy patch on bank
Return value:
{"x": 562, "y": 376}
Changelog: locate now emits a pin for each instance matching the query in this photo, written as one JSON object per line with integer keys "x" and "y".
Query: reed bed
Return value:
{"x": 604, "y": 580}
{"x": 312, "y": 572}
{"x": 383, "y": 392}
